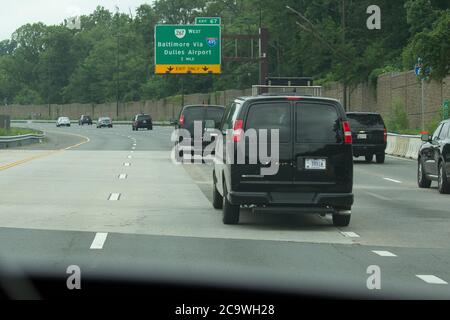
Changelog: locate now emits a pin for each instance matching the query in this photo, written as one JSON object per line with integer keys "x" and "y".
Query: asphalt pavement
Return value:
{"x": 93, "y": 197}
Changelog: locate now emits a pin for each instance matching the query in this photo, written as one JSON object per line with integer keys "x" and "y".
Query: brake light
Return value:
{"x": 293, "y": 98}
{"x": 181, "y": 120}
{"x": 385, "y": 135}
{"x": 347, "y": 132}
{"x": 238, "y": 130}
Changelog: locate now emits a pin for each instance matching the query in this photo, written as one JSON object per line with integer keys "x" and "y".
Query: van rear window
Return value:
{"x": 271, "y": 116}
{"x": 317, "y": 123}
{"x": 365, "y": 120}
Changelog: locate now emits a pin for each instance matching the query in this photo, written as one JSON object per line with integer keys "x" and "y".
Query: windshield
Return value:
{"x": 313, "y": 179}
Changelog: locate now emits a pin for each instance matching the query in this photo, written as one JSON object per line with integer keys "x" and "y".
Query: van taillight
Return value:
{"x": 347, "y": 132}
{"x": 238, "y": 130}
{"x": 385, "y": 135}
{"x": 181, "y": 120}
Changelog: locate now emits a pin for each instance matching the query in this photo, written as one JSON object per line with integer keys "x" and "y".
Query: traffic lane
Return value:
{"x": 395, "y": 169}
{"x": 384, "y": 213}
{"x": 323, "y": 266}
{"x": 54, "y": 140}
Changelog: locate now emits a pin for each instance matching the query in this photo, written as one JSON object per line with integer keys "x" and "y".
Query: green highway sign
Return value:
{"x": 181, "y": 49}
{"x": 208, "y": 20}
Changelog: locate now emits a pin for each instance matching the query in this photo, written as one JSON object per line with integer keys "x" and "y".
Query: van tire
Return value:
{"x": 369, "y": 158}
{"x": 381, "y": 157}
{"x": 443, "y": 183}
{"x": 341, "y": 220}
{"x": 217, "y": 197}
{"x": 230, "y": 212}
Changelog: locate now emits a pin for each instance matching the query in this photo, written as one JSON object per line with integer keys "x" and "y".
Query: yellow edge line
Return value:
{"x": 14, "y": 164}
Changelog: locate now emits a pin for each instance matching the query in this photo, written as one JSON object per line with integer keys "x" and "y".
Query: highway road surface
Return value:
{"x": 89, "y": 197}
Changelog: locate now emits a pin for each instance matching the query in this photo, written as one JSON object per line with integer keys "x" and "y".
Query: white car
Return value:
{"x": 63, "y": 122}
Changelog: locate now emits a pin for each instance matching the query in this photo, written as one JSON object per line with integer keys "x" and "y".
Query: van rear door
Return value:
{"x": 322, "y": 161}
{"x": 269, "y": 115}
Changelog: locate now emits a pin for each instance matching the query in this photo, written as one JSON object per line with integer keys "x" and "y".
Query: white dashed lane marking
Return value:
{"x": 431, "y": 279}
{"x": 392, "y": 180}
{"x": 384, "y": 253}
{"x": 122, "y": 176}
{"x": 127, "y": 164}
{"x": 350, "y": 234}
{"x": 99, "y": 241}
{"x": 114, "y": 197}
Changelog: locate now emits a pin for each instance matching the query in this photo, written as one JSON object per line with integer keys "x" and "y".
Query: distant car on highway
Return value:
{"x": 315, "y": 162}
{"x": 63, "y": 122}
{"x": 202, "y": 113}
{"x": 369, "y": 135}
{"x": 85, "y": 120}
{"x": 142, "y": 121}
{"x": 104, "y": 122}
{"x": 434, "y": 159}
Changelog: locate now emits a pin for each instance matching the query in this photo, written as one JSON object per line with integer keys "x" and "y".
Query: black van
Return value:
{"x": 369, "y": 135}
{"x": 315, "y": 166}
{"x": 192, "y": 113}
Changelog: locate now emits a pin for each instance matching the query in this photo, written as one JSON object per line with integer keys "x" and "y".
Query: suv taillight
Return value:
{"x": 181, "y": 120}
{"x": 347, "y": 132}
{"x": 238, "y": 130}
{"x": 385, "y": 135}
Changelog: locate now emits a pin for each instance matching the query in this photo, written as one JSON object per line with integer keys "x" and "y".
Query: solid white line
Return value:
{"x": 392, "y": 180}
{"x": 123, "y": 176}
{"x": 99, "y": 241}
{"x": 384, "y": 253}
{"x": 350, "y": 234}
{"x": 114, "y": 197}
{"x": 431, "y": 279}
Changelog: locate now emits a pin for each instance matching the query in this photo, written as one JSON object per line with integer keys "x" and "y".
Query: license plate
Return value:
{"x": 315, "y": 164}
{"x": 145, "y": 121}
{"x": 362, "y": 136}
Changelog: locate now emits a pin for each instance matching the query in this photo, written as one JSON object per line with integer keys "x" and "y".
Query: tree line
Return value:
{"x": 111, "y": 56}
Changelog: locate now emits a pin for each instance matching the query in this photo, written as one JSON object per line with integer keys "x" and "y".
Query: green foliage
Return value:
{"x": 397, "y": 120}
{"x": 111, "y": 57}
{"x": 18, "y": 131}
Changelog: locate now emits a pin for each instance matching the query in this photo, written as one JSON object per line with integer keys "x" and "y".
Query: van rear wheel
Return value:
{"x": 340, "y": 219}
{"x": 217, "y": 197}
{"x": 381, "y": 158}
{"x": 369, "y": 158}
{"x": 230, "y": 212}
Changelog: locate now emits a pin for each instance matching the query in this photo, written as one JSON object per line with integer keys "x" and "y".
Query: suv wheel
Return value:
{"x": 422, "y": 179}
{"x": 230, "y": 212}
{"x": 217, "y": 197}
{"x": 341, "y": 220}
{"x": 443, "y": 183}
{"x": 381, "y": 157}
{"x": 369, "y": 158}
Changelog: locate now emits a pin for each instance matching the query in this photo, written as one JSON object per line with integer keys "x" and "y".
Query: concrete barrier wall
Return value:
{"x": 403, "y": 145}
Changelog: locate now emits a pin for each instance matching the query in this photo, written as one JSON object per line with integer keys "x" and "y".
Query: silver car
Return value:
{"x": 104, "y": 122}
{"x": 63, "y": 122}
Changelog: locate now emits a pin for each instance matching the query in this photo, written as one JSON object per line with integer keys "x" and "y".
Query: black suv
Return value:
{"x": 204, "y": 113}
{"x": 85, "y": 120}
{"x": 434, "y": 159}
{"x": 315, "y": 165}
{"x": 369, "y": 135}
{"x": 142, "y": 121}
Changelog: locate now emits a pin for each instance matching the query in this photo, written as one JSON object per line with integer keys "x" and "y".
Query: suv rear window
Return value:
{"x": 276, "y": 115}
{"x": 317, "y": 123}
{"x": 140, "y": 118}
{"x": 365, "y": 120}
{"x": 193, "y": 114}
{"x": 215, "y": 114}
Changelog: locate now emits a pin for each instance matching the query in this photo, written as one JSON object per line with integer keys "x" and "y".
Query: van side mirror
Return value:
{"x": 425, "y": 137}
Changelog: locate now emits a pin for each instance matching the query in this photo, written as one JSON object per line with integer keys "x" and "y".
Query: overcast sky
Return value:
{"x": 15, "y": 13}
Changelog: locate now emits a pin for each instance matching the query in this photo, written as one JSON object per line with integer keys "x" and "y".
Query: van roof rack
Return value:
{"x": 283, "y": 94}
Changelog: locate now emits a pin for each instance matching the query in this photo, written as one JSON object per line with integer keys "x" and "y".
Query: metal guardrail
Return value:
{"x": 16, "y": 141}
